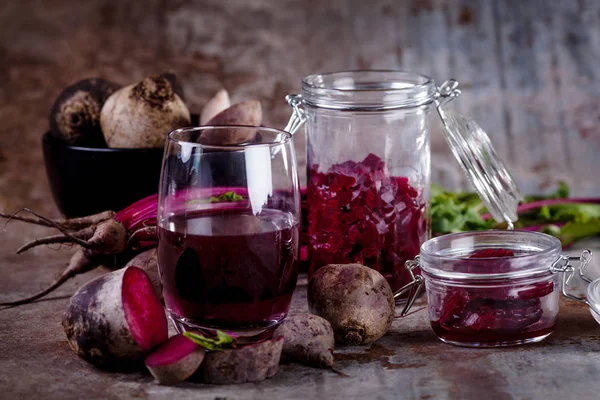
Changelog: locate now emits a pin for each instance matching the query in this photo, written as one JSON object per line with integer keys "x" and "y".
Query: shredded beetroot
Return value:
{"x": 358, "y": 213}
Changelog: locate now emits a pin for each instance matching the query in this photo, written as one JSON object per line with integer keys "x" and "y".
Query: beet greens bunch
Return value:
{"x": 569, "y": 219}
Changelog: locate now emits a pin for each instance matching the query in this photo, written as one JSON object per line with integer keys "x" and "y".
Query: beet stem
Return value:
{"x": 84, "y": 234}
{"x": 78, "y": 264}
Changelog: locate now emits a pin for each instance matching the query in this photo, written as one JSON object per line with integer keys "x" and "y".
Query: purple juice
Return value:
{"x": 229, "y": 269}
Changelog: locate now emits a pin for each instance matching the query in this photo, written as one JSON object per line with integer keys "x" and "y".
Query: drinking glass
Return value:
{"x": 228, "y": 229}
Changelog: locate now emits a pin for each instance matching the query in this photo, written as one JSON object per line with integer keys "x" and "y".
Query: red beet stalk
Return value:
{"x": 549, "y": 202}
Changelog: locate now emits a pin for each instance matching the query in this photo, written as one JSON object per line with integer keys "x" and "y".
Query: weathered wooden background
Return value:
{"x": 530, "y": 69}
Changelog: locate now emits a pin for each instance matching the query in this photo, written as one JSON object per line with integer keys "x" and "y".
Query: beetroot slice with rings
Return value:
{"x": 141, "y": 307}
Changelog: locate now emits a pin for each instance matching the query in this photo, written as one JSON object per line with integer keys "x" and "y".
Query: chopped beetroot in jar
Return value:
{"x": 358, "y": 213}
{"x": 492, "y": 313}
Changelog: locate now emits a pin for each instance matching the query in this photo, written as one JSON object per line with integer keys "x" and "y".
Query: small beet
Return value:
{"x": 175, "y": 360}
{"x": 251, "y": 363}
{"x": 245, "y": 113}
{"x": 308, "y": 339}
{"x": 356, "y": 300}
{"x": 218, "y": 103}
{"x": 116, "y": 319}
{"x": 148, "y": 262}
{"x": 142, "y": 115}
{"x": 75, "y": 115}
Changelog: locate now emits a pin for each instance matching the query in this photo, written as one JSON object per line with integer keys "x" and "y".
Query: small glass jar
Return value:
{"x": 368, "y": 163}
{"x": 491, "y": 288}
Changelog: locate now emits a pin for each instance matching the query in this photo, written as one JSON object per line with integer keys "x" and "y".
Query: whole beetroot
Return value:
{"x": 356, "y": 300}
{"x": 75, "y": 115}
{"x": 142, "y": 115}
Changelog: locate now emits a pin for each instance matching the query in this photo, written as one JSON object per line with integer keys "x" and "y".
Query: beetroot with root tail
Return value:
{"x": 113, "y": 321}
{"x": 245, "y": 113}
{"x": 100, "y": 238}
{"x": 175, "y": 360}
{"x": 356, "y": 300}
{"x": 251, "y": 363}
{"x": 308, "y": 339}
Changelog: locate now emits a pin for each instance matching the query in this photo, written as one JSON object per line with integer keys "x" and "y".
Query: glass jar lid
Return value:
{"x": 474, "y": 151}
{"x": 448, "y": 256}
{"x": 368, "y": 90}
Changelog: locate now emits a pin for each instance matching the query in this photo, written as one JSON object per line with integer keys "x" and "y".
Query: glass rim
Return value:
{"x": 551, "y": 251}
{"x": 284, "y": 137}
{"x": 395, "y": 88}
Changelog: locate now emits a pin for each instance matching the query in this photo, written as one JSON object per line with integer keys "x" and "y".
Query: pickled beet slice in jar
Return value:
{"x": 493, "y": 309}
{"x": 508, "y": 315}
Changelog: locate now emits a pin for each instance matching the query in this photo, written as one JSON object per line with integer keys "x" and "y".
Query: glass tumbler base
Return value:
{"x": 496, "y": 344}
{"x": 244, "y": 335}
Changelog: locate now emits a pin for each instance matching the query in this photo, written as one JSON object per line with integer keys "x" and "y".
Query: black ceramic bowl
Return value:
{"x": 87, "y": 180}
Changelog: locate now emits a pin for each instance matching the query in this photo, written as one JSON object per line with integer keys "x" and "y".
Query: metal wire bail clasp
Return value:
{"x": 298, "y": 116}
{"x": 414, "y": 286}
{"x": 563, "y": 265}
{"x": 447, "y": 92}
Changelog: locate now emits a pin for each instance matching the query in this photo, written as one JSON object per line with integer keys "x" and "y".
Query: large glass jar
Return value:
{"x": 368, "y": 161}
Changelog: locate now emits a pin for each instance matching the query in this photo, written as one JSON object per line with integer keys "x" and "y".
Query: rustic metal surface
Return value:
{"x": 407, "y": 363}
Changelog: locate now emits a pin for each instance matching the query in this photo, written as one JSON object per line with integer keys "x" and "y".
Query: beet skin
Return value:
{"x": 356, "y": 300}
{"x": 115, "y": 320}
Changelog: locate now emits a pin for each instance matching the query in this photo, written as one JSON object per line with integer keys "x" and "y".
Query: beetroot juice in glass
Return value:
{"x": 228, "y": 226}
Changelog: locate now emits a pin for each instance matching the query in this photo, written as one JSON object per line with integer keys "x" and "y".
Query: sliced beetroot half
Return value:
{"x": 143, "y": 311}
{"x": 251, "y": 363}
{"x": 175, "y": 360}
{"x": 148, "y": 262}
{"x": 116, "y": 319}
